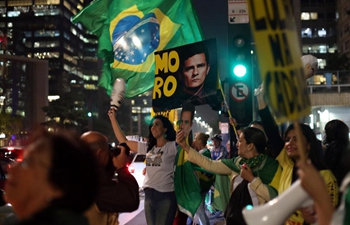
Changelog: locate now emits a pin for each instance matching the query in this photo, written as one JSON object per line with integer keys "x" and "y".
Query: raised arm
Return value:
{"x": 202, "y": 161}
{"x": 119, "y": 134}
{"x": 270, "y": 127}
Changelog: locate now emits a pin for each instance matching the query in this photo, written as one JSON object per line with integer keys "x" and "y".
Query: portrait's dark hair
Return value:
{"x": 188, "y": 107}
{"x": 194, "y": 49}
{"x": 315, "y": 152}
{"x": 170, "y": 132}
{"x": 73, "y": 169}
{"x": 336, "y": 130}
{"x": 256, "y": 137}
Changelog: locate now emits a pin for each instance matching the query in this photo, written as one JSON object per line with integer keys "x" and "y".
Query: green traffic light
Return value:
{"x": 239, "y": 70}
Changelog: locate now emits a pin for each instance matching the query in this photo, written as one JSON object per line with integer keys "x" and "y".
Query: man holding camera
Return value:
{"x": 115, "y": 195}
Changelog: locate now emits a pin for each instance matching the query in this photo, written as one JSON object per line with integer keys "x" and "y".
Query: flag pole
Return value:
{"x": 300, "y": 140}
{"x": 227, "y": 108}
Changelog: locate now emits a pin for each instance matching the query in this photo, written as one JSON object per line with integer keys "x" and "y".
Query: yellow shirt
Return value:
{"x": 287, "y": 165}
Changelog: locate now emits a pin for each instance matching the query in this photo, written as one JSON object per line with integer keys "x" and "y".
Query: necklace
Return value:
{"x": 153, "y": 150}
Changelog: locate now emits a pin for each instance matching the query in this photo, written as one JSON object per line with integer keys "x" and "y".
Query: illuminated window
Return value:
{"x": 321, "y": 63}
{"x": 322, "y": 33}
{"x": 132, "y": 102}
{"x": 20, "y": 113}
{"x": 90, "y": 87}
{"x": 19, "y": 2}
{"x": 146, "y": 110}
{"x": 47, "y": 2}
{"x": 309, "y": 16}
{"x": 46, "y": 44}
{"x": 13, "y": 14}
{"x": 313, "y": 15}
{"x": 136, "y": 109}
{"x": 306, "y": 32}
{"x": 8, "y": 109}
{"x": 305, "y": 16}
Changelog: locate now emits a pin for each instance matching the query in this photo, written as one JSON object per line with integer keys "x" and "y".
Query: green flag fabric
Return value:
{"x": 187, "y": 188}
{"x": 264, "y": 167}
{"x": 222, "y": 193}
{"x": 206, "y": 179}
{"x": 130, "y": 31}
{"x": 268, "y": 171}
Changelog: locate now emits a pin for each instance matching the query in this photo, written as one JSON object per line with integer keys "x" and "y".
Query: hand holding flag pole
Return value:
{"x": 227, "y": 108}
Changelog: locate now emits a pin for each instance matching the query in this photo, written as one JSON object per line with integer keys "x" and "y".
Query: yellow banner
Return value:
{"x": 279, "y": 55}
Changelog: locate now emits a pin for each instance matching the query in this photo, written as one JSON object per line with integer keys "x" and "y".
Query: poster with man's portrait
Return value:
{"x": 186, "y": 74}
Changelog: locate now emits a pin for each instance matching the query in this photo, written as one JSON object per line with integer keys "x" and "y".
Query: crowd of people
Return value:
{"x": 68, "y": 179}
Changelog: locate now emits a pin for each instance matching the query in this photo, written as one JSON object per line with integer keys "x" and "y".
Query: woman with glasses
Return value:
{"x": 56, "y": 181}
{"x": 160, "y": 201}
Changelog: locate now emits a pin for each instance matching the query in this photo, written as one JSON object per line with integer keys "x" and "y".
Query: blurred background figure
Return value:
{"x": 56, "y": 181}
{"x": 310, "y": 65}
{"x": 113, "y": 196}
{"x": 219, "y": 151}
{"x": 205, "y": 179}
{"x": 336, "y": 141}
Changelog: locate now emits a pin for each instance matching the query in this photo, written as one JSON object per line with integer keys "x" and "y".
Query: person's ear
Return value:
{"x": 307, "y": 69}
{"x": 250, "y": 146}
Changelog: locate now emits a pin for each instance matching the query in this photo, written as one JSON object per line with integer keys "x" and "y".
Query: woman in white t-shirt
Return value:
{"x": 160, "y": 150}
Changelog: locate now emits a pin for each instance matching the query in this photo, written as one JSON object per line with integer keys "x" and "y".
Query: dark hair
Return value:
{"x": 194, "y": 49}
{"x": 257, "y": 122}
{"x": 127, "y": 148}
{"x": 170, "y": 132}
{"x": 336, "y": 130}
{"x": 315, "y": 153}
{"x": 73, "y": 169}
{"x": 203, "y": 138}
{"x": 256, "y": 137}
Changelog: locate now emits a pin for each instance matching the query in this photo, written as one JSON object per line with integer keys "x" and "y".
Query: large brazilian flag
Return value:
{"x": 130, "y": 31}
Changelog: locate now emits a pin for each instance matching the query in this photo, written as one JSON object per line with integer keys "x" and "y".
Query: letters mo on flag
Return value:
{"x": 279, "y": 57}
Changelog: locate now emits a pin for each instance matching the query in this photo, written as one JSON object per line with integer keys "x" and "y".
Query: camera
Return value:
{"x": 115, "y": 151}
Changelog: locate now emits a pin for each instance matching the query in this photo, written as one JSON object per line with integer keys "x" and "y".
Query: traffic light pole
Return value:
{"x": 240, "y": 73}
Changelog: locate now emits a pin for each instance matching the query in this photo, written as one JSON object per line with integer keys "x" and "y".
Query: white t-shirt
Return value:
{"x": 160, "y": 166}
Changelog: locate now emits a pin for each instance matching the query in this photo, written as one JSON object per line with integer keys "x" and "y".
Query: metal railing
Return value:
{"x": 330, "y": 82}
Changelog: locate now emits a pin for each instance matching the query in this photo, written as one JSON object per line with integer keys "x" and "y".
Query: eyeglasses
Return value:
{"x": 183, "y": 121}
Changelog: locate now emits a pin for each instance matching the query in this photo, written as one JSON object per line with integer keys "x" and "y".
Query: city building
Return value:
{"x": 318, "y": 29}
{"x": 343, "y": 27}
{"x": 42, "y": 29}
{"x": 23, "y": 92}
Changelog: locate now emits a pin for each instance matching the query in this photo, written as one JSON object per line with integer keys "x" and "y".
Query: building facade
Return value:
{"x": 42, "y": 29}
{"x": 23, "y": 93}
{"x": 318, "y": 29}
{"x": 343, "y": 27}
